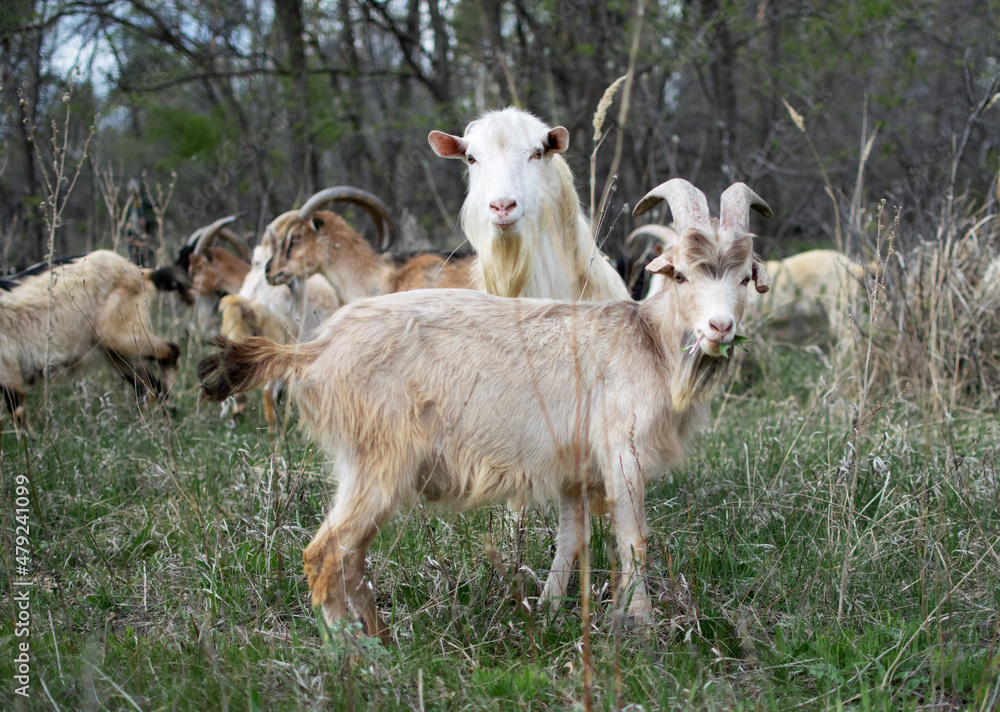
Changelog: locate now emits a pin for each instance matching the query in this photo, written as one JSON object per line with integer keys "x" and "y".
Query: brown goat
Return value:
{"x": 214, "y": 271}
{"x": 321, "y": 242}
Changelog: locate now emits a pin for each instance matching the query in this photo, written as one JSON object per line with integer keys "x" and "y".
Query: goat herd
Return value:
{"x": 525, "y": 372}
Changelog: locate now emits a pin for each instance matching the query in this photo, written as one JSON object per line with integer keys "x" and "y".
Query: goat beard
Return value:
{"x": 506, "y": 264}
{"x": 697, "y": 375}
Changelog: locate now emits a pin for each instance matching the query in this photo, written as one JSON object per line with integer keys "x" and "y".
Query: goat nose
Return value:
{"x": 502, "y": 207}
{"x": 723, "y": 326}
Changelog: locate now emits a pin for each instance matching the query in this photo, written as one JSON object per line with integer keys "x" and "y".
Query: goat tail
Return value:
{"x": 246, "y": 364}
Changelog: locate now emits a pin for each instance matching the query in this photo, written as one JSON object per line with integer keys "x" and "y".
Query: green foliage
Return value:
{"x": 188, "y": 135}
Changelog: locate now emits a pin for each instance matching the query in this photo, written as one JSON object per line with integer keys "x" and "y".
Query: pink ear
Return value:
{"x": 557, "y": 140}
{"x": 446, "y": 145}
{"x": 662, "y": 264}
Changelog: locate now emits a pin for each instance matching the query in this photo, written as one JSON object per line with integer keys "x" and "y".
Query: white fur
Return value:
{"x": 543, "y": 245}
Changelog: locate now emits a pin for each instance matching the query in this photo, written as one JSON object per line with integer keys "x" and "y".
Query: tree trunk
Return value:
{"x": 305, "y": 165}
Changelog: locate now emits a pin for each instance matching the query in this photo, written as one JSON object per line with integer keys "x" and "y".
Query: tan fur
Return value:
{"x": 100, "y": 306}
{"x": 810, "y": 294}
{"x": 279, "y": 313}
{"x": 464, "y": 398}
{"x": 217, "y": 270}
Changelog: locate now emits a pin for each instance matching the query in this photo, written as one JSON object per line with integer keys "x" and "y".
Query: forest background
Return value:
{"x": 251, "y": 106}
{"x": 830, "y": 542}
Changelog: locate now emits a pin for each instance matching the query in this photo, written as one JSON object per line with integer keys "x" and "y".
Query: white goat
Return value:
{"x": 522, "y": 214}
{"x": 99, "y": 306}
{"x": 810, "y": 291}
{"x": 467, "y": 398}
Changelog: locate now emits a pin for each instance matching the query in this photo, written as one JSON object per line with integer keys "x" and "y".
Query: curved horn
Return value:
{"x": 735, "y": 205}
{"x": 275, "y": 231}
{"x": 687, "y": 203}
{"x": 195, "y": 236}
{"x": 663, "y": 233}
{"x": 209, "y": 232}
{"x": 238, "y": 243}
{"x": 386, "y": 230}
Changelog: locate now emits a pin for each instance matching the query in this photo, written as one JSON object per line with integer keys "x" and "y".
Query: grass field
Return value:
{"x": 802, "y": 557}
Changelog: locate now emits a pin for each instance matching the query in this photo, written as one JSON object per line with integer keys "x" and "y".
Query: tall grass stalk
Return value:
{"x": 54, "y": 178}
{"x": 637, "y": 25}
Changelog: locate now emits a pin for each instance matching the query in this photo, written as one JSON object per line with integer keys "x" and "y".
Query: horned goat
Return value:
{"x": 99, "y": 304}
{"x": 522, "y": 214}
{"x": 214, "y": 270}
{"x": 467, "y": 398}
{"x": 810, "y": 291}
{"x": 321, "y": 242}
{"x": 641, "y": 246}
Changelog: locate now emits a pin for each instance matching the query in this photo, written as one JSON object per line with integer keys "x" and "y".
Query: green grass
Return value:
{"x": 168, "y": 574}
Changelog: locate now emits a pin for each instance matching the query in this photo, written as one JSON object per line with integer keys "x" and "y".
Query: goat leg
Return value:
{"x": 569, "y": 543}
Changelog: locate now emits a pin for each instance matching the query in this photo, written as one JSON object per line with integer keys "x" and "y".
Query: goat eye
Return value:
{"x": 470, "y": 158}
{"x": 680, "y": 278}
{"x": 746, "y": 281}
{"x": 537, "y": 153}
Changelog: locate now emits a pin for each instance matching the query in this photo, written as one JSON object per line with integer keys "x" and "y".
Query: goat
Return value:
{"x": 809, "y": 294}
{"x": 467, "y": 398}
{"x": 214, "y": 271}
{"x": 641, "y": 246}
{"x": 522, "y": 214}
{"x": 99, "y": 303}
{"x": 281, "y": 313}
{"x": 321, "y": 242}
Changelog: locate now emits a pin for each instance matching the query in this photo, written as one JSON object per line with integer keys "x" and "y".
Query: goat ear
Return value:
{"x": 662, "y": 263}
{"x": 446, "y": 145}
{"x": 557, "y": 140}
{"x": 759, "y": 274}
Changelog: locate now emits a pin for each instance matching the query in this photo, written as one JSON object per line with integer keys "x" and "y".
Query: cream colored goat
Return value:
{"x": 465, "y": 398}
{"x": 99, "y": 306}
{"x": 522, "y": 214}
{"x": 811, "y": 293}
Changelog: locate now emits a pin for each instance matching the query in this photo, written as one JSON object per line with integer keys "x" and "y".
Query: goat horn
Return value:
{"x": 276, "y": 230}
{"x": 369, "y": 203}
{"x": 209, "y": 232}
{"x": 664, "y": 234}
{"x": 687, "y": 203}
{"x": 238, "y": 243}
{"x": 735, "y": 205}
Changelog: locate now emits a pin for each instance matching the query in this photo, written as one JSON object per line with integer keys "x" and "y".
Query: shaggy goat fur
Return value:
{"x": 99, "y": 306}
{"x": 465, "y": 398}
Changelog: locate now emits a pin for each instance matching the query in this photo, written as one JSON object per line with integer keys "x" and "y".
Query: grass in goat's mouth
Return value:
{"x": 738, "y": 340}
